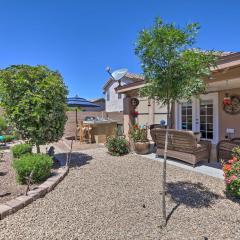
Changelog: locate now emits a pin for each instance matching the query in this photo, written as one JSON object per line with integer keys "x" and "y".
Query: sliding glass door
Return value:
{"x": 199, "y": 115}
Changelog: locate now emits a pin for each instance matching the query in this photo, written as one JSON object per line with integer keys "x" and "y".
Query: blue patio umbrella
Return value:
{"x": 80, "y": 102}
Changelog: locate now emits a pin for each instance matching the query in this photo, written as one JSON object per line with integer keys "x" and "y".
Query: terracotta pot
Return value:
{"x": 141, "y": 147}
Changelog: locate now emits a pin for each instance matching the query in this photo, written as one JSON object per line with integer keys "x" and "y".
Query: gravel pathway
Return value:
{"x": 106, "y": 197}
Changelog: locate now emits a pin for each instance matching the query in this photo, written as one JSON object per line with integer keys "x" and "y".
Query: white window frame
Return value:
{"x": 196, "y": 114}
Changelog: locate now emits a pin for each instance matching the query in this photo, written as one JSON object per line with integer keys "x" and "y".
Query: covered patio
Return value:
{"x": 215, "y": 115}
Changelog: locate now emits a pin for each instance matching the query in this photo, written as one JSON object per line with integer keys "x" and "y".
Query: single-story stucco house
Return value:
{"x": 216, "y": 114}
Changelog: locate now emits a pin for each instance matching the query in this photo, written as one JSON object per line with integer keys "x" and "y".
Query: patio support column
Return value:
{"x": 127, "y": 118}
{"x": 151, "y": 112}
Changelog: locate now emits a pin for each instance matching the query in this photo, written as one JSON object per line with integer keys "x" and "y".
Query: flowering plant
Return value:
{"x": 138, "y": 133}
{"x": 117, "y": 146}
{"x": 231, "y": 171}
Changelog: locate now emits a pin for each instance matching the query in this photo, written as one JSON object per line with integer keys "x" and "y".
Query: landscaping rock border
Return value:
{"x": 20, "y": 202}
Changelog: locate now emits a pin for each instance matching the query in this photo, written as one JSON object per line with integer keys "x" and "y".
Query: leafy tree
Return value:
{"x": 34, "y": 99}
{"x": 3, "y": 125}
{"x": 173, "y": 70}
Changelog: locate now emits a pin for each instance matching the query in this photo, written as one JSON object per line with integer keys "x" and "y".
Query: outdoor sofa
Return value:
{"x": 182, "y": 145}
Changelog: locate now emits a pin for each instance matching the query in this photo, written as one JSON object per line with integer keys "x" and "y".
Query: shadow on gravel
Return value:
{"x": 194, "y": 195}
{"x": 3, "y": 174}
{"x": 77, "y": 159}
{"x": 232, "y": 198}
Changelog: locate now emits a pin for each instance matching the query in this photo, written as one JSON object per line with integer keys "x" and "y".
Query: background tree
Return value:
{"x": 173, "y": 70}
{"x": 34, "y": 100}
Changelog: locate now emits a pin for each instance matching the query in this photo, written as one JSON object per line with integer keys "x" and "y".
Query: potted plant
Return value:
{"x": 138, "y": 136}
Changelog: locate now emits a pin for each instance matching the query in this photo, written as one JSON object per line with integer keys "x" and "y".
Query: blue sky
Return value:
{"x": 80, "y": 38}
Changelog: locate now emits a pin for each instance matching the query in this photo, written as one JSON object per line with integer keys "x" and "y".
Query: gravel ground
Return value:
{"x": 106, "y": 197}
{"x": 64, "y": 144}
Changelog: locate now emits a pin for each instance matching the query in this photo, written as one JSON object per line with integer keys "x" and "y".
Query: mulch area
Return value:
{"x": 9, "y": 187}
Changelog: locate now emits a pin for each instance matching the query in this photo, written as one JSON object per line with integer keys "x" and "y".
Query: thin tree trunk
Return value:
{"x": 170, "y": 125}
{"x": 164, "y": 171}
{"x": 69, "y": 154}
{"x": 38, "y": 148}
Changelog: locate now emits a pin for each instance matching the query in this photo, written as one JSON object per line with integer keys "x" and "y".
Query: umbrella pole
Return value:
{"x": 76, "y": 126}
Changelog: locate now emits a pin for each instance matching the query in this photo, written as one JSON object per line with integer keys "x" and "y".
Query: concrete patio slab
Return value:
{"x": 211, "y": 169}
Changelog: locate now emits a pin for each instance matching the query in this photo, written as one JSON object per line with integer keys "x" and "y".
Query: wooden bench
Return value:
{"x": 182, "y": 145}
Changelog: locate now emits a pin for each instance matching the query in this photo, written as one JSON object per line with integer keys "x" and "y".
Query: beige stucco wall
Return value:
{"x": 147, "y": 114}
{"x": 227, "y": 120}
{"x": 152, "y": 114}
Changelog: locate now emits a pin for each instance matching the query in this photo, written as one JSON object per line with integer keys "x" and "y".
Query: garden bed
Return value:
{"x": 9, "y": 188}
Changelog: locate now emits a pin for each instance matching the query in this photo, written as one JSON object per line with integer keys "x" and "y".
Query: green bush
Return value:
{"x": 117, "y": 146}
{"x": 21, "y": 149}
{"x": 9, "y": 138}
{"x": 3, "y": 125}
{"x": 236, "y": 152}
{"x": 40, "y": 164}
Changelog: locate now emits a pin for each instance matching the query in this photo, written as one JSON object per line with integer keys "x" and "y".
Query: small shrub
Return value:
{"x": 231, "y": 171}
{"x": 8, "y": 138}
{"x": 117, "y": 146}
{"x": 40, "y": 164}
{"x": 236, "y": 152}
{"x": 21, "y": 149}
{"x": 3, "y": 125}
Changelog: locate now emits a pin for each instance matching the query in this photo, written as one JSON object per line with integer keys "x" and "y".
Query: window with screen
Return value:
{"x": 187, "y": 116}
{"x": 206, "y": 119}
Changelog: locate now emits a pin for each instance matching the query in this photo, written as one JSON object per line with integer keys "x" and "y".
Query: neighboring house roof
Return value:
{"x": 130, "y": 86}
{"x": 133, "y": 76}
{"x": 225, "y": 54}
{"x": 220, "y": 54}
{"x": 227, "y": 60}
{"x": 96, "y": 99}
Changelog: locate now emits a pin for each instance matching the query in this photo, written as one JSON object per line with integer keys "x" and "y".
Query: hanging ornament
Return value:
{"x": 134, "y": 102}
{"x": 227, "y": 100}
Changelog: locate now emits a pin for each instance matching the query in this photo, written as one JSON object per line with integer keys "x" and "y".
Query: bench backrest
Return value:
{"x": 183, "y": 141}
